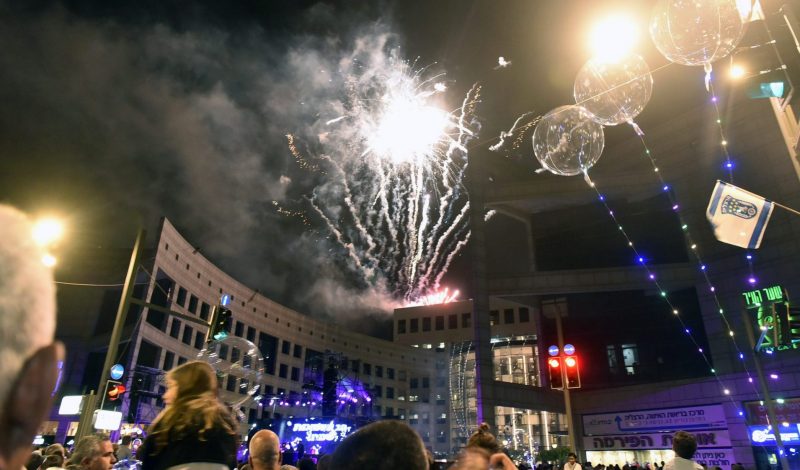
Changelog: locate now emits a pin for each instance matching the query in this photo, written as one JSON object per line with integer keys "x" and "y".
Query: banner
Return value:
{"x": 688, "y": 418}
{"x": 738, "y": 217}
{"x": 715, "y": 438}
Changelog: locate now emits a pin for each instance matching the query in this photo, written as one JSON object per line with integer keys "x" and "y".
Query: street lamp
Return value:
{"x": 47, "y": 232}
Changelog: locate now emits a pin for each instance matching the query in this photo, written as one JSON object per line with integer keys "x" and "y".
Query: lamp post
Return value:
{"x": 85, "y": 425}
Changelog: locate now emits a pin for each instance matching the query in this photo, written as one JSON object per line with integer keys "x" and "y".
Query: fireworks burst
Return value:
{"x": 393, "y": 197}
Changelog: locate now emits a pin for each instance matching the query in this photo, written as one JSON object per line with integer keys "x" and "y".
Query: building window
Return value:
{"x": 378, "y": 391}
{"x": 414, "y": 325}
{"x": 175, "y": 328}
{"x": 390, "y": 392}
{"x": 426, "y": 324}
{"x": 390, "y": 373}
{"x": 199, "y": 340}
{"x": 367, "y": 369}
{"x": 494, "y": 317}
{"x": 251, "y": 333}
{"x": 524, "y": 315}
{"x": 192, "y": 304}
{"x": 181, "y": 360}
{"x": 630, "y": 357}
{"x": 452, "y": 322}
{"x": 187, "y": 335}
{"x": 389, "y": 412}
{"x": 239, "y": 329}
{"x": 401, "y": 327}
{"x": 508, "y": 316}
{"x": 169, "y": 359}
{"x": 296, "y": 374}
{"x": 414, "y": 383}
{"x": 426, "y": 383}
{"x": 231, "y": 385}
{"x": 378, "y": 371}
{"x": 439, "y": 323}
{"x": 286, "y": 347}
{"x": 298, "y": 350}
{"x": 465, "y": 320}
{"x": 204, "y": 310}
{"x": 181, "y": 299}
{"x": 283, "y": 371}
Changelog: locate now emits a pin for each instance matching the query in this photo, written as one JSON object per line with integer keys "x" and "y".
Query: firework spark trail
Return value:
{"x": 394, "y": 200}
{"x": 445, "y": 212}
{"x": 446, "y": 236}
{"x": 352, "y": 254}
{"x": 354, "y": 212}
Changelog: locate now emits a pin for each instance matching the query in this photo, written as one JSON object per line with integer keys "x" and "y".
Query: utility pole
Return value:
{"x": 776, "y": 426}
{"x": 85, "y": 425}
{"x": 567, "y": 401}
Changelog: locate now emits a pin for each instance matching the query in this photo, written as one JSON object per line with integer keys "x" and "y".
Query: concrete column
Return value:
{"x": 484, "y": 366}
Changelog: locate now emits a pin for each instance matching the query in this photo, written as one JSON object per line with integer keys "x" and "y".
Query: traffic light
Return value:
{"x": 572, "y": 372}
{"x": 114, "y": 390}
{"x": 554, "y": 371}
{"x": 220, "y": 323}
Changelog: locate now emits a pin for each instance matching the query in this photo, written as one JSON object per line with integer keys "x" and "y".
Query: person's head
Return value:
{"x": 52, "y": 460}
{"x": 93, "y": 452}
{"x": 684, "y": 444}
{"x": 190, "y": 380}
{"x": 28, "y": 356}
{"x": 306, "y": 464}
{"x": 56, "y": 449}
{"x": 484, "y": 439}
{"x": 264, "y": 451}
{"x": 126, "y": 440}
{"x": 387, "y": 445}
{"x": 572, "y": 457}
{"x": 34, "y": 461}
{"x": 324, "y": 462}
{"x": 192, "y": 406}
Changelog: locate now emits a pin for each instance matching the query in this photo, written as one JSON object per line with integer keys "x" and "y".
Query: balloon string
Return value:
{"x": 707, "y": 68}
{"x": 636, "y": 128}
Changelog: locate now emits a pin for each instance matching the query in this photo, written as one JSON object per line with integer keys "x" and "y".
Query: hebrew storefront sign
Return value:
{"x": 687, "y": 418}
{"x": 713, "y": 438}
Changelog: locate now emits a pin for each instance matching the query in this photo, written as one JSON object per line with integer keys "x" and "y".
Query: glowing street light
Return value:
{"x": 47, "y": 231}
{"x": 737, "y": 71}
{"x": 613, "y": 37}
{"x": 48, "y": 260}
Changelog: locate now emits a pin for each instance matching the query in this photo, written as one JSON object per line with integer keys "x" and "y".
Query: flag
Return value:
{"x": 738, "y": 217}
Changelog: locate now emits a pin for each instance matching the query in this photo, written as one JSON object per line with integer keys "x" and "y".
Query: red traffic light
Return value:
{"x": 554, "y": 363}
{"x": 571, "y": 361}
{"x": 115, "y": 392}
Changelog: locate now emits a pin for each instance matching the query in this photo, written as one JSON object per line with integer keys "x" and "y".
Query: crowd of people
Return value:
{"x": 195, "y": 431}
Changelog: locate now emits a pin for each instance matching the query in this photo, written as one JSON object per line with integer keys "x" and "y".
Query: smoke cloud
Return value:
{"x": 188, "y": 122}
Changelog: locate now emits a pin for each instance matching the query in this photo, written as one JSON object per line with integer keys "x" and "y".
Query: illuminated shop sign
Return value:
{"x": 321, "y": 432}
{"x": 765, "y": 436}
{"x": 779, "y": 329}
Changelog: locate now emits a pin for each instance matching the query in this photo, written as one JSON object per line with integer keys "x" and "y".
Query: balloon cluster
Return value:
{"x": 569, "y": 140}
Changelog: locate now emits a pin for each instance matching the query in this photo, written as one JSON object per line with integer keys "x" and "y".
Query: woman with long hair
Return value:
{"x": 195, "y": 430}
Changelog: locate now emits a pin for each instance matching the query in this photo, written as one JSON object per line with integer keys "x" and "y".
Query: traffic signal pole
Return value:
{"x": 564, "y": 379}
{"x": 84, "y": 428}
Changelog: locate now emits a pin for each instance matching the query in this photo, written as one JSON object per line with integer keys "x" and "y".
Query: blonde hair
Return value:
{"x": 27, "y": 297}
{"x": 196, "y": 408}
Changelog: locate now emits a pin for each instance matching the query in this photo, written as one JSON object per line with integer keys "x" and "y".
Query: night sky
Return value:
{"x": 115, "y": 112}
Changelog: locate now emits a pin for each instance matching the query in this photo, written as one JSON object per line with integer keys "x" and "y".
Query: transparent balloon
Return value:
{"x": 567, "y": 141}
{"x": 614, "y": 91}
{"x": 696, "y": 32}
{"x": 239, "y": 366}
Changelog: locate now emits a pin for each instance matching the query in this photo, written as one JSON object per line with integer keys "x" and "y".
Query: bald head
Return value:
{"x": 265, "y": 451}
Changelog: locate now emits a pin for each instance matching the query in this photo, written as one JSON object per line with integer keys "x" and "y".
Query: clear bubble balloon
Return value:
{"x": 567, "y": 141}
{"x": 239, "y": 366}
{"x": 696, "y": 32}
{"x": 614, "y": 91}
